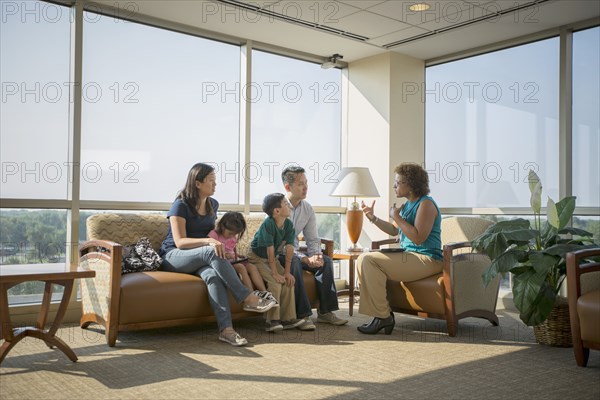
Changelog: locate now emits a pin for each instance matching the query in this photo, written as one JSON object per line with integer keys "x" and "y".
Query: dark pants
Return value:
{"x": 326, "y": 292}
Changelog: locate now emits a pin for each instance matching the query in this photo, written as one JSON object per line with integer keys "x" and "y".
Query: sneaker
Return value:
{"x": 306, "y": 324}
{"x": 291, "y": 324}
{"x": 273, "y": 326}
{"x": 261, "y": 306}
{"x": 267, "y": 296}
{"x": 331, "y": 318}
{"x": 233, "y": 338}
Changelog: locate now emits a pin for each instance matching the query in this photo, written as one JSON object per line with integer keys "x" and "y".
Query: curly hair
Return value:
{"x": 415, "y": 177}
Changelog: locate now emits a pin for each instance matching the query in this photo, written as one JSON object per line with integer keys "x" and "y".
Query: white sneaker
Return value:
{"x": 273, "y": 326}
{"x": 306, "y": 324}
{"x": 331, "y": 318}
{"x": 267, "y": 296}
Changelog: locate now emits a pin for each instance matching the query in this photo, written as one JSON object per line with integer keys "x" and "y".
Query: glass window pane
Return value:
{"x": 32, "y": 237}
{"x": 296, "y": 119}
{"x": 34, "y": 121}
{"x": 489, "y": 119}
{"x": 586, "y": 119}
{"x": 155, "y": 102}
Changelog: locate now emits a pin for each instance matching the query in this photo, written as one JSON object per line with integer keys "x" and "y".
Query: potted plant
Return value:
{"x": 534, "y": 252}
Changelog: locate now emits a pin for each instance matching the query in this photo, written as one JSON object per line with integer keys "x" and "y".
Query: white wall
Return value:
{"x": 385, "y": 125}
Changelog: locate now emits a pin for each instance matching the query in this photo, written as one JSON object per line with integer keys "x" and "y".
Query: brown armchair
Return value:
{"x": 458, "y": 292}
{"x": 583, "y": 282}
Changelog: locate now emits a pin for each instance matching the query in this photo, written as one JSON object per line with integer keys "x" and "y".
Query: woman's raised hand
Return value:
{"x": 368, "y": 211}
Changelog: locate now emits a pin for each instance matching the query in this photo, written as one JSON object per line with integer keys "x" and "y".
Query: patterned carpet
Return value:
{"x": 418, "y": 361}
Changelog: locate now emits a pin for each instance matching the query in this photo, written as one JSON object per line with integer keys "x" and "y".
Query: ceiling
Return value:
{"x": 362, "y": 28}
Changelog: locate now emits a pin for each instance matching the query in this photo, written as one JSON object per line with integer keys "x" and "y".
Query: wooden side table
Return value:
{"x": 57, "y": 274}
{"x": 351, "y": 256}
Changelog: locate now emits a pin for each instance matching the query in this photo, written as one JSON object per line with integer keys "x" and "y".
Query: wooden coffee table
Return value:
{"x": 57, "y": 274}
{"x": 351, "y": 256}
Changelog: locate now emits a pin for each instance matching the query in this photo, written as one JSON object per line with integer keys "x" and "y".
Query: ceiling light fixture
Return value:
{"x": 332, "y": 61}
{"x": 419, "y": 7}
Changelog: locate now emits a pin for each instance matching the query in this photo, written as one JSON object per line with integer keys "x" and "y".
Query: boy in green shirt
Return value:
{"x": 275, "y": 233}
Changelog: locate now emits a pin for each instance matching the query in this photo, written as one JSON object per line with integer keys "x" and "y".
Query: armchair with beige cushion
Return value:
{"x": 583, "y": 280}
{"x": 458, "y": 292}
{"x": 145, "y": 300}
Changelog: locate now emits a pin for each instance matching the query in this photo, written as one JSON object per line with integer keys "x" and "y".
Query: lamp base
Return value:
{"x": 355, "y": 248}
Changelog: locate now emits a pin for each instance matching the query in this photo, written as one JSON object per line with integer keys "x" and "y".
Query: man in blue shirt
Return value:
{"x": 305, "y": 222}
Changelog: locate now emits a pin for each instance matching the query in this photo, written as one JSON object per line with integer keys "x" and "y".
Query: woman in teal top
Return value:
{"x": 418, "y": 223}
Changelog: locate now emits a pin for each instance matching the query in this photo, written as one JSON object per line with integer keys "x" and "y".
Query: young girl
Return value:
{"x": 229, "y": 230}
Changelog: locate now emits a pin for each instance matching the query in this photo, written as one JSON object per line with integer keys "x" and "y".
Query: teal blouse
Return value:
{"x": 432, "y": 246}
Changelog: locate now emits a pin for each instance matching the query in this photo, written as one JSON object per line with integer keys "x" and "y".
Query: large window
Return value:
{"x": 586, "y": 118}
{"x": 296, "y": 119}
{"x": 155, "y": 102}
{"x": 489, "y": 119}
{"x": 34, "y": 122}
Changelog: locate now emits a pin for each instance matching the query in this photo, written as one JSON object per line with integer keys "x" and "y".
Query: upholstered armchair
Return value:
{"x": 583, "y": 281}
{"x": 458, "y": 292}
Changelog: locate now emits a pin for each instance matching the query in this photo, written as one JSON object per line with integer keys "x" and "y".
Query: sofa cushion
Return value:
{"x": 426, "y": 294}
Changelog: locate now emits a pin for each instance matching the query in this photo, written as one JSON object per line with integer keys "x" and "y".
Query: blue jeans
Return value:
{"x": 217, "y": 273}
{"x": 326, "y": 291}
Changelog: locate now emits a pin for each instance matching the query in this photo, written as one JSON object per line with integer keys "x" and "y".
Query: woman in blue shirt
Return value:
{"x": 418, "y": 223}
{"x": 188, "y": 249}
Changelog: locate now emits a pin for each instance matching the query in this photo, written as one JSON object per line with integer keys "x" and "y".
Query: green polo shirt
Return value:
{"x": 268, "y": 234}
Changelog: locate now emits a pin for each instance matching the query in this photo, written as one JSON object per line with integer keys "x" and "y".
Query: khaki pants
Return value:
{"x": 284, "y": 295}
{"x": 375, "y": 268}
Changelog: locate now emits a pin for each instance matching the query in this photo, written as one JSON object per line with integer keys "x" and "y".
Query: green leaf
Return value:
{"x": 543, "y": 263}
{"x": 575, "y": 231}
{"x": 541, "y": 307}
{"x": 500, "y": 236}
{"x": 504, "y": 263}
{"x": 552, "y": 214}
{"x": 563, "y": 248}
{"x": 533, "y": 180}
{"x": 526, "y": 288}
{"x": 565, "y": 209}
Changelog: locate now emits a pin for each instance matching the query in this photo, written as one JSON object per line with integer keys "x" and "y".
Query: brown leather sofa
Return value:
{"x": 146, "y": 300}
{"x": 583, "y": 280}
{"x": 458, "y": 292}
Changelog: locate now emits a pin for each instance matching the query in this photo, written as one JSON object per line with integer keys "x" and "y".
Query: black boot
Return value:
{"x": 378, "y": 324}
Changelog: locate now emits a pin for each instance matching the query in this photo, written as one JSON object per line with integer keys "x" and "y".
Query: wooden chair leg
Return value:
{"x": 582, "y": 354}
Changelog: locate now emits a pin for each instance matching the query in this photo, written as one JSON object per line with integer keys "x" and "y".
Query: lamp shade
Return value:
{"x": 355, "y": 182}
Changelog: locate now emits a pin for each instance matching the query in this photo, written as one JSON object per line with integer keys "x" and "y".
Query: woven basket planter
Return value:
{"x": 556, "y": 329}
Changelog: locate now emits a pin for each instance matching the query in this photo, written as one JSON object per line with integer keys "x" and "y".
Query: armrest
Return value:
{"x": 100, "y": 295}
{"x": 463, "y": 283}
{"x": 576, "y": 266}
{"x": 376, "y": 244}
{"x": 326, "y": 243}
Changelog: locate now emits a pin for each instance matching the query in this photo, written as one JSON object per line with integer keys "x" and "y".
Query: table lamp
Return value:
{"x": 355, "y": 182}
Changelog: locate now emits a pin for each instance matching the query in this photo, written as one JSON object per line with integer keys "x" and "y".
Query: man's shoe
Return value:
{"x": 273, "y": 326}
{"x": 291, "y": 324}
{"x": 306, "y": 324}
{"x": 331, "y": 318}
{"x": 233, "y": 338}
